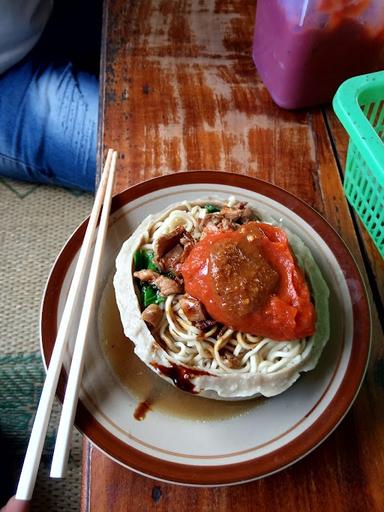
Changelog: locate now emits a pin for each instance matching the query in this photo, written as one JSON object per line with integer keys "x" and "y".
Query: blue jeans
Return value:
{"x": 48, "y": 124}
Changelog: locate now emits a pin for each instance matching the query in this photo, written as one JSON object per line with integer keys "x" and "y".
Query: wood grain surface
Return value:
{"x": 180, "y": 92}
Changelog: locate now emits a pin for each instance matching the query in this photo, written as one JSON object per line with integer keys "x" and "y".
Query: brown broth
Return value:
{"x": 145, "y": 385}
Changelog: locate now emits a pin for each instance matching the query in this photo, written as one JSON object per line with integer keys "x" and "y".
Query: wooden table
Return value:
{"x": 180, "y": 92}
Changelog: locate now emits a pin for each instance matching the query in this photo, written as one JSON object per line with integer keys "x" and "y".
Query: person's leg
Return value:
{"x": 48, "y": 125}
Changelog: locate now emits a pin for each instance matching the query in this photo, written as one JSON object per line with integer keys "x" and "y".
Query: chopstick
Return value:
{"x": 62, "y": 445}
{"x": 39, "y": 430}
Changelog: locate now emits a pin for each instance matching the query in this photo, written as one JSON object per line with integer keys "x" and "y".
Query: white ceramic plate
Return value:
{"x": 186, "y": 439}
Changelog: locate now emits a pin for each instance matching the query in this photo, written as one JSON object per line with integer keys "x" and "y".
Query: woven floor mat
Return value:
{"x": 35, "y": 223}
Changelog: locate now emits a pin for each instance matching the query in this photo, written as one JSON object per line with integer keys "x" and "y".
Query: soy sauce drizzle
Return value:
{"x": 142, "y": 409}
{"x": 180, "y": 375}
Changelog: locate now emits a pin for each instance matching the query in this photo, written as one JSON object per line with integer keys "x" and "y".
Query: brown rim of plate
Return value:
{"x": 266, "y": 464}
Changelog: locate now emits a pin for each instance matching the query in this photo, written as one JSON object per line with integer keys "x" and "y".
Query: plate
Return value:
{"x": 148, "y": 426}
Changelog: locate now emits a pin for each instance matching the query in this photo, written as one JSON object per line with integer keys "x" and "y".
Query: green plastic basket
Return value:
{"x": 359, "y": 104}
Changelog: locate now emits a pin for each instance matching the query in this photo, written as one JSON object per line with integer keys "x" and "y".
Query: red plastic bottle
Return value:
{"x": 304, "y": 49}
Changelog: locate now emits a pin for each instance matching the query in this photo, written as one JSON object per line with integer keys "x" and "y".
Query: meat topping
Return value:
{"x": 231, "y": 361}
{"x": 167, "y": 286}
{"x": 187, "y": 239}
{"x": 205, "y": 325}
{"x": 146, "y": 275}
{"x": 165, "y": 243}
{"x": 237, "y": 213}
{"x": 152, "y": 314}
{"x": 228, "y": 218}
{"x": 215, "y": 222}
{"x": 172, "y": 259}
{"x": 172, "y": 249}
{"x": 193, "y": 308}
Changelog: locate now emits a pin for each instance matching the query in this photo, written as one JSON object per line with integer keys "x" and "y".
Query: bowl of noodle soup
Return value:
{"x": 206, "y": 357}
{"x": 147, "y": 424}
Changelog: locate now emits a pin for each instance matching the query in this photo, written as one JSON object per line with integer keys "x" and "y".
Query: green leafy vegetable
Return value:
{"x": 211, "y": 208}
{"x": 151, "y": 265}
{"x": 139, "y": 261}
{"x": 143, "y": 259}
{"x": 159, "y": 298}
{"x": 150, "y": 295}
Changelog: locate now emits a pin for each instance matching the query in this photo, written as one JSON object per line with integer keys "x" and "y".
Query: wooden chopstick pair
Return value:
{"x": 36, "y": 442}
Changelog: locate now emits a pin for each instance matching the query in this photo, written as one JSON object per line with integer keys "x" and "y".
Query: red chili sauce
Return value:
{"x": 249, "y": 280}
